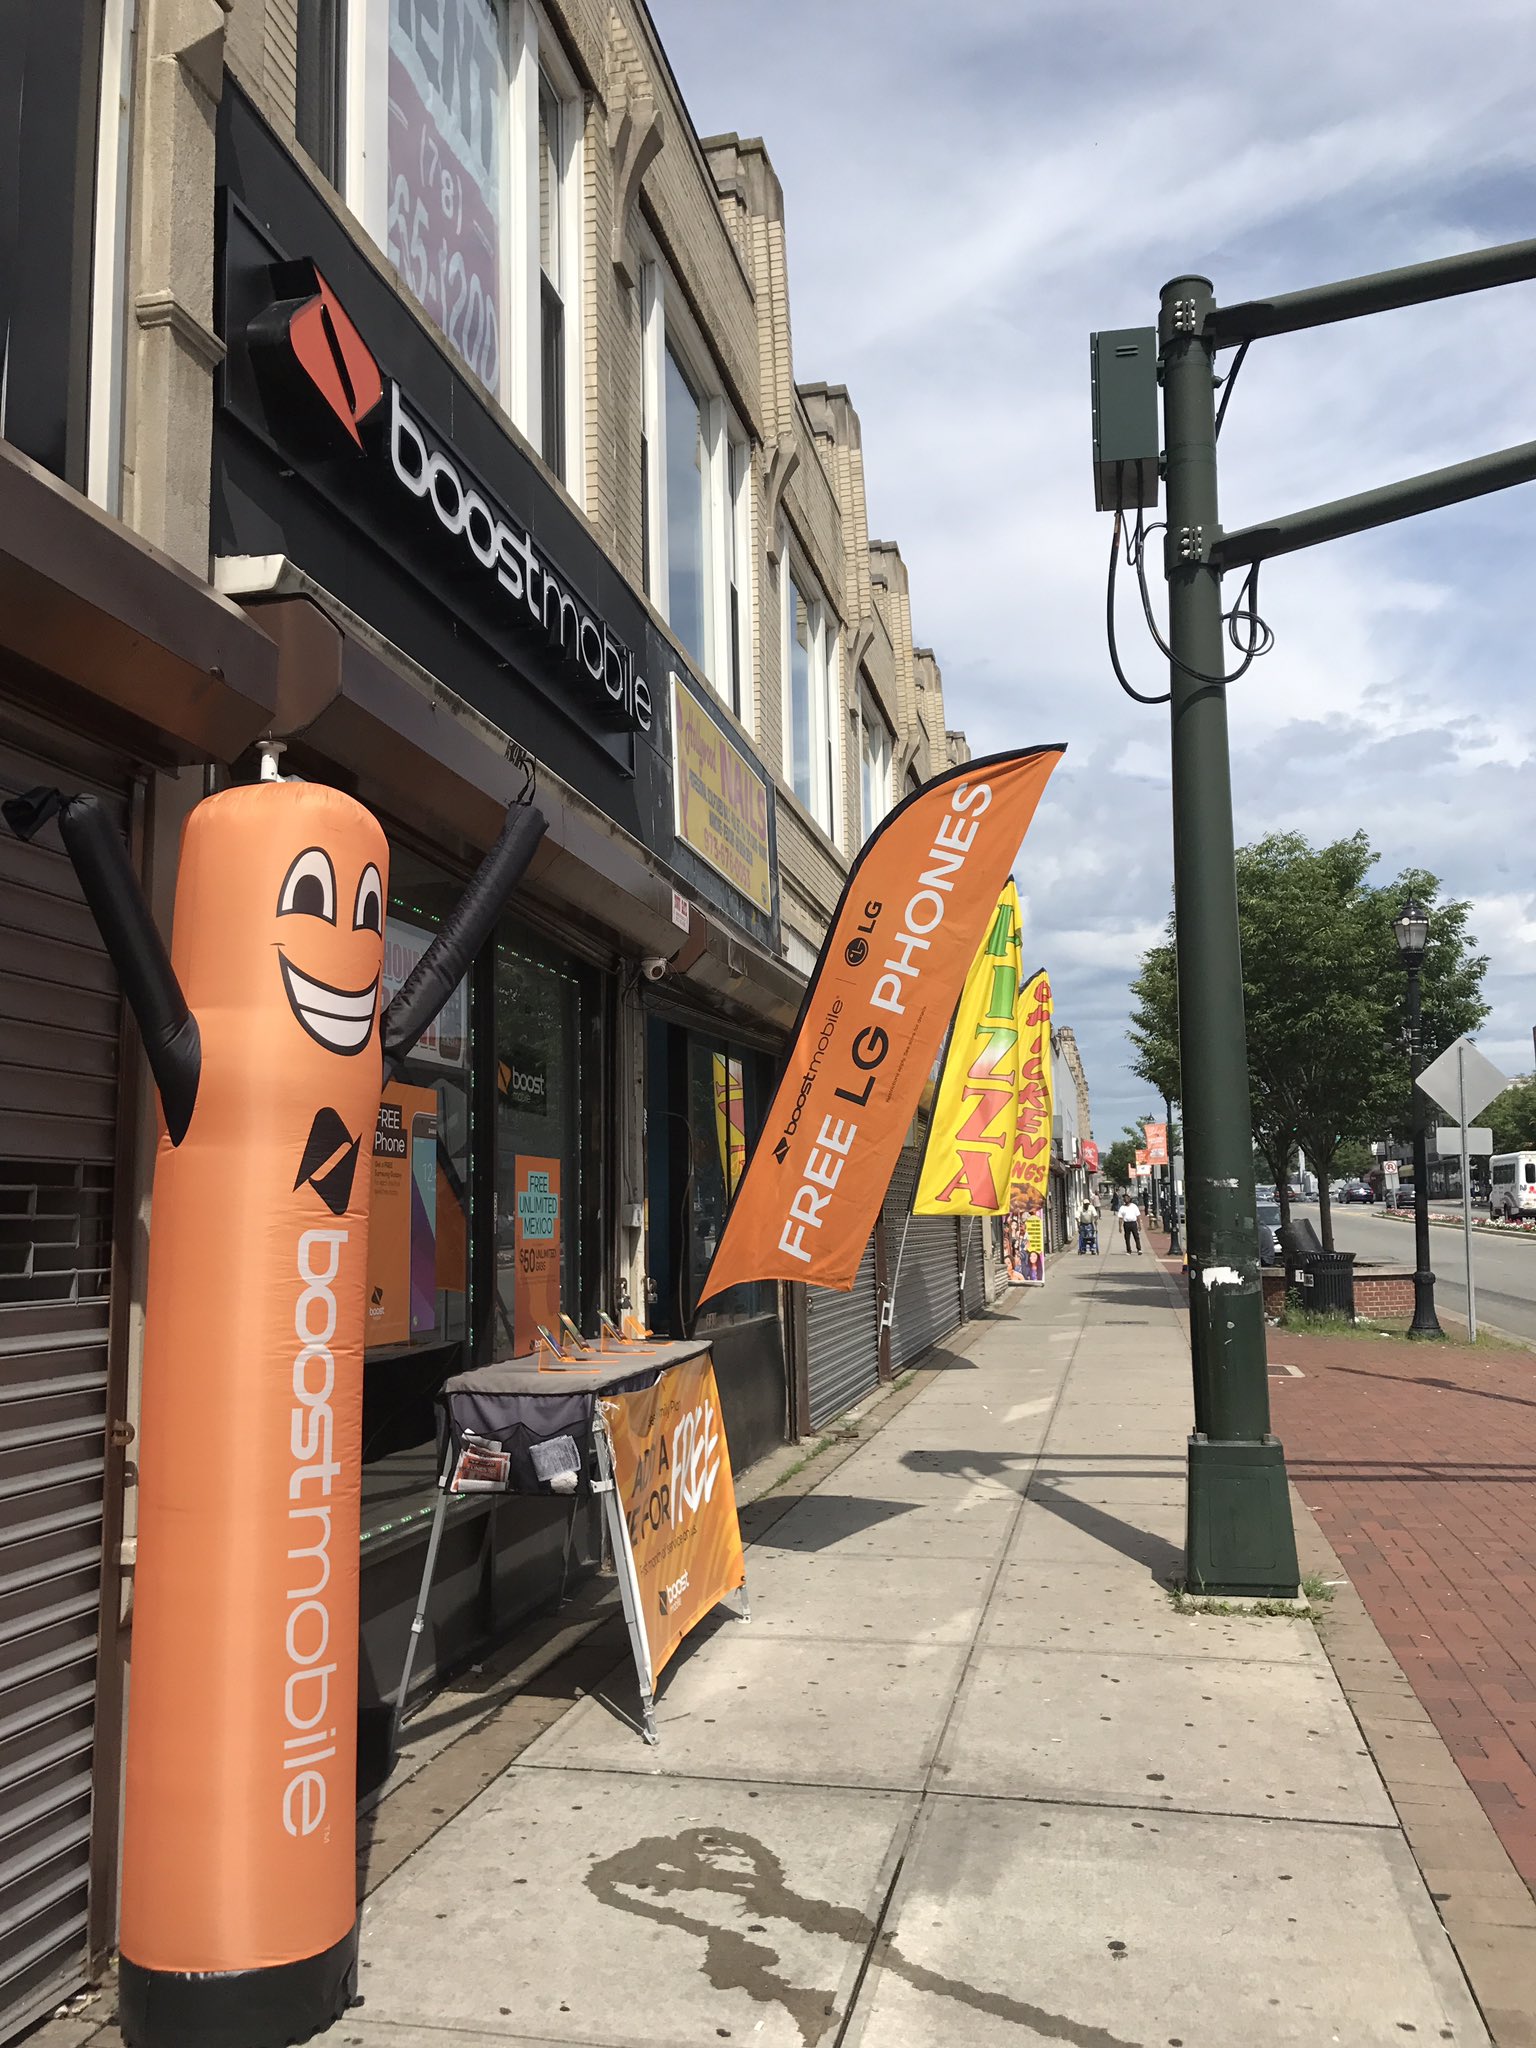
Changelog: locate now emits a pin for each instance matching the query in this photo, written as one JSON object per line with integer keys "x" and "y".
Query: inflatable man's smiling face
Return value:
{"x": 339, "y": 1018}
{"x": 279, "y": 926}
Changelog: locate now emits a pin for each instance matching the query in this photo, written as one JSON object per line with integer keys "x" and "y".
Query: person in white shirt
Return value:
{"x": 1129, "y": 1219}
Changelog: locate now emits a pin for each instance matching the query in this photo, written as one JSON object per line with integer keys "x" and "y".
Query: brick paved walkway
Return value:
{"x": 1418, "y": 1462}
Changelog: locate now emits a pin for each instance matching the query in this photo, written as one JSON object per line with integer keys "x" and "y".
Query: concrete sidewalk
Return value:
{"x": 966, "y": 1776}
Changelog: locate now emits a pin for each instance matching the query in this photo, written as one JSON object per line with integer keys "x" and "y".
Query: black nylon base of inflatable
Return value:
{"x": 272, "y": 2008}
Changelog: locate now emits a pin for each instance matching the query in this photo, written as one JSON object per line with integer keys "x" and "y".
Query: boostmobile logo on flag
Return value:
{"x": 915, "y": 909}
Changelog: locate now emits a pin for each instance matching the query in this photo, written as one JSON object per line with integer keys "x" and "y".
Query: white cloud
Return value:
{"x": 968, "y": 192}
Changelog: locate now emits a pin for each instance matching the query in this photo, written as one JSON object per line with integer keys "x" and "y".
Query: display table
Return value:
{"x": 516, "y": 1427}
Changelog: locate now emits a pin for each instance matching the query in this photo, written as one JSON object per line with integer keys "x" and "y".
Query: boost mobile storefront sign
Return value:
{"x": 323, "y": 383}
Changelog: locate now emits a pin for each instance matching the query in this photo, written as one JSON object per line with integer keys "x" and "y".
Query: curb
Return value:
{"x": 1484, "y": 1905}
{"x": 1482, "y": 1900}
{"x": 1455, "y": 1223}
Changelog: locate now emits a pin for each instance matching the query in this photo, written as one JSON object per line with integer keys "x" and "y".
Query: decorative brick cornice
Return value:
{"x": 164, "y": 309}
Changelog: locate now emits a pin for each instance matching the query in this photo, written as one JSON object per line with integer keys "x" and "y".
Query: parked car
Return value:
{"x": 1356, "y": 1191}
{"x": 1269, "y": 1233}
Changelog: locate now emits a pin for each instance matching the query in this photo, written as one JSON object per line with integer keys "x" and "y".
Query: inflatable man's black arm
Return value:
{"x": 465, "y": 930}
{"x": 116, "y": 901}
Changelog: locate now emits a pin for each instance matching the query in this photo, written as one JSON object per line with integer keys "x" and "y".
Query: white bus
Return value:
{"x": 1512, "y": 1185}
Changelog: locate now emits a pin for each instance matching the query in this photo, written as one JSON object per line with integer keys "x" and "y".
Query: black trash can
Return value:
{"x": 1331, "y": 1284}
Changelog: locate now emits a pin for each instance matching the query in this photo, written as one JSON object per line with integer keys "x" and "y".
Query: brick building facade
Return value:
{"x": 578, "y": 311}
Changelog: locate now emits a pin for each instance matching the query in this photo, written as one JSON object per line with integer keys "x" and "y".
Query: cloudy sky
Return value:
{"x": 969, "y": 191}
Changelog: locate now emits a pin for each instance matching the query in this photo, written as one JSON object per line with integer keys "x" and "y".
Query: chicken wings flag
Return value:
{"x": 914, "y": 910}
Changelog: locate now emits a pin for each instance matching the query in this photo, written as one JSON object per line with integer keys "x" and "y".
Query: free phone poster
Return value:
{"x": 536, "y": 1228}
{"x": 399, "y": 1277}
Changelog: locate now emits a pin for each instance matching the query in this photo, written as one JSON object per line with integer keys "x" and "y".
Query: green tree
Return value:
{"x": 1512, "y": 1117}
{"x": 1326, "y": 997}
{"x": 1353, "y": 1160}
{"x": 1118, "y": 1163}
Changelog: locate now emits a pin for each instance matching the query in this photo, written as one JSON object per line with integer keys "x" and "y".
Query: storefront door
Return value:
{"x": 549, "y": 1168}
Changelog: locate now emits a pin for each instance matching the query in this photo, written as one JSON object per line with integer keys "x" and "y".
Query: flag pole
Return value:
{"x": 888, "y": 1306}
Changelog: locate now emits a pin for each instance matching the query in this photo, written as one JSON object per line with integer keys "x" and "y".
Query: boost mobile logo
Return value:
{"x": 312, "y": 359}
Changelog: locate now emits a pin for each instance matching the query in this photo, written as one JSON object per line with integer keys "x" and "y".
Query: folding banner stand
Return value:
{"x": 505, "y": 1427}
{"x": 624, "y": 1565}
{"x": 429, "y": 1573}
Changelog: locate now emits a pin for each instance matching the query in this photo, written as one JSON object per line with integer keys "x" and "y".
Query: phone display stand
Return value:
{"x": 550, "y": 1357}
{"x": 611, "y": 1339}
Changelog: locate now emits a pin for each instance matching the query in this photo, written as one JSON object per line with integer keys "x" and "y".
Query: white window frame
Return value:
{"x": 536, "y": 48}
{"x": 871, "y": 719}
{"x": 109, "y": 260}
{"x": 826, "y": 753}
{"x": 665, "y": 323}
{"x": 528, "y": 44}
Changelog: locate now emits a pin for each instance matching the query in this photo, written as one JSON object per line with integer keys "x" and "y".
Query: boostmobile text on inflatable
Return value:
{"x": 307, "y": 1743}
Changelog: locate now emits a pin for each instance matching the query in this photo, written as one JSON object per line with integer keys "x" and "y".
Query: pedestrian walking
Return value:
{"x": 1129, "y": 1217}
{"x": 1087, "y": 1226}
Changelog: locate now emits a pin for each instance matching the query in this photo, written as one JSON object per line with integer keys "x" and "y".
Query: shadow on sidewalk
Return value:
{"x": 1164, "y": 1560}
{"x": 1119, "y": 1290}
{"x": 844, "y": 1515}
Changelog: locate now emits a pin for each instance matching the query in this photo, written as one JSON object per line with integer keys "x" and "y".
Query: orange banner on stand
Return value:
{"x": 672, "y": 1468}
{"x": 1157, "y": 1143}
{"x": 912, "y": 915}
{"x": 1031, "y": 1174}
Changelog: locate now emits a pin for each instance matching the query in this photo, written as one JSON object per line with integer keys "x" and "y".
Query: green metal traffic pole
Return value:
{"x": 1239, "y": 1537}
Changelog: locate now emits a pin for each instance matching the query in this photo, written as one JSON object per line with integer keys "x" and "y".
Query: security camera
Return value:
{"x": 653, "y": 967}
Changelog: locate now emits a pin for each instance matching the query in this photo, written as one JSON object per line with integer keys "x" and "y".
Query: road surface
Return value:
{"x": 1504, "y": 1269}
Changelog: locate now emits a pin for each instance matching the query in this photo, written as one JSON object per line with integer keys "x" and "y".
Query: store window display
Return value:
{"x": 418, "y": 1307}
{"x": 549, "y": 1087}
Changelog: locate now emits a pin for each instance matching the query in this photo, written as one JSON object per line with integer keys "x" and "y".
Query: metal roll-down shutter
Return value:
{"x": 843, "y": 1342}
{"x": 59, "y": 1023}
{"x": 928, "y": 1283}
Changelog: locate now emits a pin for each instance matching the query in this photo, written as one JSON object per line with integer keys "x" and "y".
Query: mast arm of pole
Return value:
{"x": 1448, "y": 277}
{"x": 1405, "y": 500}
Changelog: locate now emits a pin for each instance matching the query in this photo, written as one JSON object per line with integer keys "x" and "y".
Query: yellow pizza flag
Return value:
{"x": 971, "y": 1139}
{"x": 1032, "y": 1147}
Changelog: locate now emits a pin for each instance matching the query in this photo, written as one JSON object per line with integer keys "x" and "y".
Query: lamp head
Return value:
{"x": 1410, "y": 928}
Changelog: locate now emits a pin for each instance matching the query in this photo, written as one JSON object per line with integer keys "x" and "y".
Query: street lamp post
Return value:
{"x": 1411, "y": 930}
{"x": 1175, "y": 1248}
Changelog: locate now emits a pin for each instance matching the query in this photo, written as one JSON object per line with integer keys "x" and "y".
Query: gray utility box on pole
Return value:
{"x": 1126, "y": 439}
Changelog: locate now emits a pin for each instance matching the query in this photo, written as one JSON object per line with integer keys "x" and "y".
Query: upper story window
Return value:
{"x": 695, "y": 496}
{"x": 448, "y": 207}
{"x": 876, "y": 743}
{"x": 810, "y": 697}
{"x": 455, "y": 131}
{"x": 556, "y": 230}
{"x": 688, "y": 528}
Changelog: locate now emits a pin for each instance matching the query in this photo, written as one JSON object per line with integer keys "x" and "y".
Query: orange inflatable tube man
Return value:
{"x": 264, "y": 1032}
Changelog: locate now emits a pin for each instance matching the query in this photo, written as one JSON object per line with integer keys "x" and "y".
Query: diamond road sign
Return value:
{"x": 1462, "y": 1081}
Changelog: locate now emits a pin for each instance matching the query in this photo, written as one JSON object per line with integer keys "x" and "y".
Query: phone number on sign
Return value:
{"x": 442, "y": 237}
